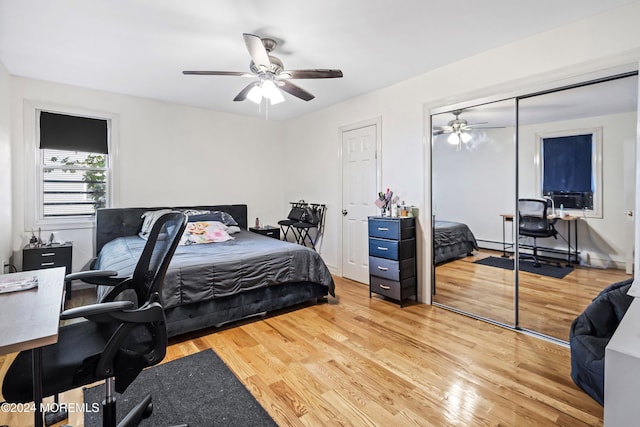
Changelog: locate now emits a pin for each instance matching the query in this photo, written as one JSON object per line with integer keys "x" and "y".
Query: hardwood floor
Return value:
{"x": 547, "y": 305}
{"x": 365, "y": 361}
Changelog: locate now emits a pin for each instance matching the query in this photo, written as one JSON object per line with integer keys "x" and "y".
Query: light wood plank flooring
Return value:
{"x": 547, "y": 305}
{"x": 365, "y": 361}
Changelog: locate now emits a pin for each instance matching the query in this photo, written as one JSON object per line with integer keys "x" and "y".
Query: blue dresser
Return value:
{"x": 392, "y": 258}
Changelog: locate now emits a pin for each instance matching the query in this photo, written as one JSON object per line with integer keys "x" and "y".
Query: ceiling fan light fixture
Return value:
{"x": 255, "y": 94}
{"x": 453, "y": 139}
{"x": 271, "y": 92}
{"x": 465, "y": 137}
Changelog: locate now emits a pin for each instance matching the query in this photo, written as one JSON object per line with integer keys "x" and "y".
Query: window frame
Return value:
{"x": 596, "y": 165}
{"x": 34, "y": 165}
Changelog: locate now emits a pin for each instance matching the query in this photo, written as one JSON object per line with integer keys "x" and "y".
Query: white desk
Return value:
{"x": 30, "y": 319}
{"x": 622, "y": 371}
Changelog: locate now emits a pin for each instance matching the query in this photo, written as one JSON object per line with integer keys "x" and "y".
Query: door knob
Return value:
{"x": 344, "y": 212}
{"x": 630, "y": 212}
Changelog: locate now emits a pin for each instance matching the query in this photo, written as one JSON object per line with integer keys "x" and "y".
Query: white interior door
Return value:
{"x": 359, "y": 189}
{"x": 628, "y": 216}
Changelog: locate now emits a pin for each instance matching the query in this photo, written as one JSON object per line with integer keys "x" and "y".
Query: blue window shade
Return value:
{"x": 567, "y": 164}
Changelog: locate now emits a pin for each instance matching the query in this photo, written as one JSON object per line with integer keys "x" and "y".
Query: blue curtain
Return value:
{"x": 567, "y": 164}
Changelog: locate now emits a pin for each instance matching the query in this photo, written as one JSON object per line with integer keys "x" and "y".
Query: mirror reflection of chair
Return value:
{"x": 116, "y": 342}
{"x": 535, "y": 222}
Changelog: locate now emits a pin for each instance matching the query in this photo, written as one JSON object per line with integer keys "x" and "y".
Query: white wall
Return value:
{"x": 5, "y": 167}
{"x": 605, "y": 40}
{"x": 269, "y": 164}
{"x": 167, "y": 155}
{"x": 474, "y": 186}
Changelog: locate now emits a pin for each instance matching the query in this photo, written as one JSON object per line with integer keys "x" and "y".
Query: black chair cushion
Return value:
{"x": 72, "y": 361}
{"x": 590, "y": 333}
{"x": 81, "y": 340}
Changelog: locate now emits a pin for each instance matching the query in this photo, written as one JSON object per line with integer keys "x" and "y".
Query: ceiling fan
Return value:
{"x": 459, "y": 129}
{"x": 271, "y": 74}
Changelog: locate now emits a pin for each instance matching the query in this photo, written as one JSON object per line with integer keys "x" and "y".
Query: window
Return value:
{"x": 571, "y": 169}
{"x": 567, "y": 175}
{"x": 73, "y": 166}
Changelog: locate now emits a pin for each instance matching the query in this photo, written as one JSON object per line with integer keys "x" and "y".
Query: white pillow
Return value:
{"x": 231, "y": 229}
{"x": 150, "y": 218}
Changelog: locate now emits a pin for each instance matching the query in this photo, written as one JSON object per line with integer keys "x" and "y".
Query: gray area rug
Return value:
{"x": 198, "y": 389}
{"x": 544, "y": 269}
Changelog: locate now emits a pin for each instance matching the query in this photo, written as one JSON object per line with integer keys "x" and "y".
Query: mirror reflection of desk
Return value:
{"x": 572, "y": 249}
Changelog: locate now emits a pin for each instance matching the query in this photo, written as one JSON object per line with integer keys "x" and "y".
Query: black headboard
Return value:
{"x": 112, "y": 223}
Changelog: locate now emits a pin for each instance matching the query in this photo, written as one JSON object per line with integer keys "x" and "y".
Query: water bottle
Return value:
{"x": 561, "y": 211}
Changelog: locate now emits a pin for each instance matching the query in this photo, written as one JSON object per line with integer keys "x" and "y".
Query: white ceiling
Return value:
{"x": 140, "y": 47}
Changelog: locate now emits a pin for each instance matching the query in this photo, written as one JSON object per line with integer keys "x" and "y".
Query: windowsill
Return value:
{"x": 62, "y": 224}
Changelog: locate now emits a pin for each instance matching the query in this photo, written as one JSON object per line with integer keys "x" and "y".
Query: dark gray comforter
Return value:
{"x": 208, "y": 271}
{"x": 451, "y": 240}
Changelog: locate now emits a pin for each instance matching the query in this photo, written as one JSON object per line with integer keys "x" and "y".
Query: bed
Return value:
{"x": 216, "y": 283}
{"x": 451, "y": 240}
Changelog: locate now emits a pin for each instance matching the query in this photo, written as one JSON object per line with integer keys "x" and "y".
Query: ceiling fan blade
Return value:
{"x": 257, "y": 51}
{"x": 244, "y": 92}
{"x": 215, "y": 73}
{"x": 294, "y": 90}
{"x": 313, "y": 74}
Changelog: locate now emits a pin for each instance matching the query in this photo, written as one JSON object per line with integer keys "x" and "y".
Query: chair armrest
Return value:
{"x": 81, "y": 275}
{"x": 96, "y": 309}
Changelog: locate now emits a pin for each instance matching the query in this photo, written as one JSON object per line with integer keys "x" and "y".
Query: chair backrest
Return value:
{"x": 162, "y": 242}
{"x": 533, "y": 215}
{"x": 143, "y": 343}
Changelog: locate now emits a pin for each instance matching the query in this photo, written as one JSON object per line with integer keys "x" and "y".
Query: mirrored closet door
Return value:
{"x": 473, "y": 194}
{"x": 566, "y": 156}
{"x": 576, "y": 150}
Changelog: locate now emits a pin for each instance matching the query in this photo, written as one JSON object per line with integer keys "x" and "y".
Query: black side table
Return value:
{"x": 49, "y": 256}
{"x": 267, "y": 230}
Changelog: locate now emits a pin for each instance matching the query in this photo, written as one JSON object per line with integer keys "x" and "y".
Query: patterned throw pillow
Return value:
{"x": 201, "y": 232}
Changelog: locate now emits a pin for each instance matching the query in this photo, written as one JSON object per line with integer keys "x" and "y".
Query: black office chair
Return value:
{"x": 534, "y": 222}
{"x": 116, "y": 342}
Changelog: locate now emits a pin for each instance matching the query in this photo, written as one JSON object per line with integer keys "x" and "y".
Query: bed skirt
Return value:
{"x": 219, "y": 311}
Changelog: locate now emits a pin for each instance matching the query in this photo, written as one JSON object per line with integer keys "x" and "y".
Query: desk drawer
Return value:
{"x": 392, "y": 269}
{"x": 392, "y": 249}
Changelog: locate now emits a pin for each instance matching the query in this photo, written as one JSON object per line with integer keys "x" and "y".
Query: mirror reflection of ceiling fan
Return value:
{"x": 272, "y": 78}
{"x": 459, "y": 129}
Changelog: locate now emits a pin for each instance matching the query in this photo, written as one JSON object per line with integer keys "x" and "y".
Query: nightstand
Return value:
{"x": 55, "y": 255}
{"x": 267, "y": 230}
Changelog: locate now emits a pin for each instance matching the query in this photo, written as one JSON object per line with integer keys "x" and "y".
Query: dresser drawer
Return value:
{"x": 394, "y": 229}
{"x": 392, "y": 269}
{"x": 386, "y": 287}
{"x": 398, "y": 290}
{"x": 392, "y": 249}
